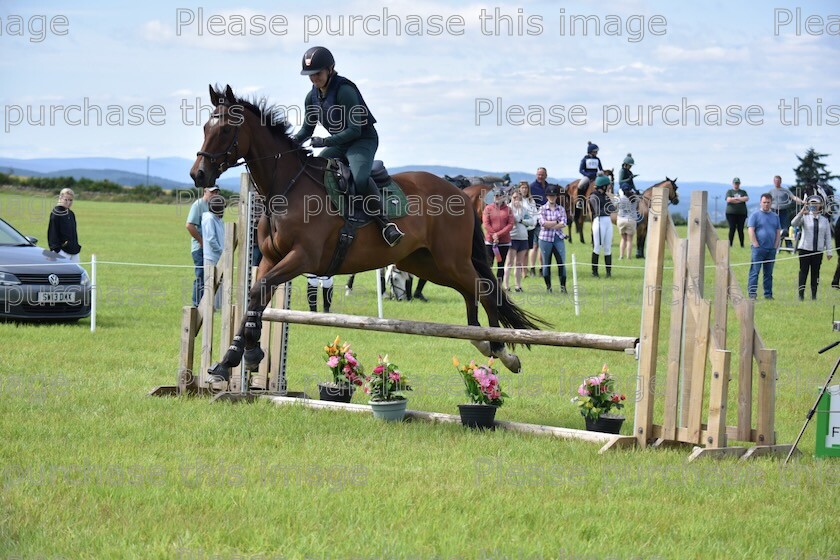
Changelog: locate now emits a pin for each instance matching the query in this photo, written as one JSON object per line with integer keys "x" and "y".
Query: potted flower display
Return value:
{"x": 596, "y": 398}
{"x": 347, "y": 372}
{"x": 384, "y": 386}
{"x": 481, "y": 384}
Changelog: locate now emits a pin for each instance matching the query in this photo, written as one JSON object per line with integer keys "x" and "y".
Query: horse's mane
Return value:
{"x": 273, "y": 116}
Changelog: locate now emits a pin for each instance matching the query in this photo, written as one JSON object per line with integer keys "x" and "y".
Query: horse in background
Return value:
{"x": 644, "y": 209}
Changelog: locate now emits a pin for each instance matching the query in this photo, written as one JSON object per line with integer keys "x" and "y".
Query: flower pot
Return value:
{"x": 336, "y": 393}
{"x": 607, "y": 423}
{"x": 477, "y": 415}
{"x": 390, "y": 411}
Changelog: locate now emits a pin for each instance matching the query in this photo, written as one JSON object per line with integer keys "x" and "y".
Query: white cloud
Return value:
{"x": 670, "y": 53}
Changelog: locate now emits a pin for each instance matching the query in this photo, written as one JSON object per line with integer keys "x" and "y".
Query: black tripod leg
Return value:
{"x": 812, "y": 411}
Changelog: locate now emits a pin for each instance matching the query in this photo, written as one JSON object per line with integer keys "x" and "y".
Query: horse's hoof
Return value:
{"x": 511, "y": 361}
{"x": 218, "y": 373}
{"x": 253, "y": 357}
{"x": 483, "y": 346}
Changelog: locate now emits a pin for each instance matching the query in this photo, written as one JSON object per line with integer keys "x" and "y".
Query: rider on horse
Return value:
{"x": 625, "y": 178}
{"x": 590, "y": 165}
{"x": 337, "y": 104}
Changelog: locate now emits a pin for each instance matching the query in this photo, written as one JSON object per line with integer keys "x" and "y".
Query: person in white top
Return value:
{"x": 815, "y": 240}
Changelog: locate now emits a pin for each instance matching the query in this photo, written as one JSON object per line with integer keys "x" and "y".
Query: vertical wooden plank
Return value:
{"x": 206, "y": 310}
{"x": 766, "y": 422}
{"x": 227, "y": 286}
{"x": 187, "y": 379}
{"x": 745, "y": 362}
{"x": 719, "y": 387}
{"x": 697, "y": 228}
{"x": 238, "y": 293}
{"x": 652, "y": 300}
{"x": 695, "y": 374}
{"x": 260, "y": 380}
{"x": 672, "y": 382}
{"x": 721, "y": 294}
{"x": 277, "y": 342}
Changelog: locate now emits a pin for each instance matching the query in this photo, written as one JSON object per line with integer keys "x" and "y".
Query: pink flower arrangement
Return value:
{"x": 345, "y": 368}
{"x": 386, "y": 382}
{"x": 597, "y": 396}
{"x": 481, "y": 383}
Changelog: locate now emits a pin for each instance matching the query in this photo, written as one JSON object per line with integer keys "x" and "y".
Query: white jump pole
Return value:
{"x": 93, "y": 293}
{"x": 379, "y": 291}
{"x": 575, "y": 286}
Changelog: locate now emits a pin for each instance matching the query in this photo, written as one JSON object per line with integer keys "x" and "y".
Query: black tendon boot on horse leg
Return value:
{"x": 245, "y": 344}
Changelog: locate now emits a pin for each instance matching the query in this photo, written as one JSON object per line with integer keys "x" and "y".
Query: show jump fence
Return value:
{"x": 696, "y": 352}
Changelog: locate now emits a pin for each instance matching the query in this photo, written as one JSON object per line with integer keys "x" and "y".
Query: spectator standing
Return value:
{"x": 814, "y": 240}
{"x": 193, "y": 225}
{"x": 765, "y": 234}
{"x": 533, "y": 210}
{"x": 628, "y": 213}
{"x": 213, "y": 239}
{"x": 602, "y": 228}
{"x": 62, "y": 233}
{"x": 498, "y": 223}
{"x": 552, "y": 221}
{"x": 736, "y": 210}
{"x": 517, "y": 260}
{"x": 783, "y": 205}
{"x": 537, "y": 195}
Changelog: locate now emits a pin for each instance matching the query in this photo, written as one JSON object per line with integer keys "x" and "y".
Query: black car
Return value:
{"x": 37, "y": 284}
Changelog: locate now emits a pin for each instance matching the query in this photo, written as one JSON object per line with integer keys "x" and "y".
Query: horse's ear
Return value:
{"x": 213, "y": 99}
{"x": 229, "y": 94}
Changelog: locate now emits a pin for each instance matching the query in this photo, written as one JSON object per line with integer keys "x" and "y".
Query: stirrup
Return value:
{"x": 392, "y": 234}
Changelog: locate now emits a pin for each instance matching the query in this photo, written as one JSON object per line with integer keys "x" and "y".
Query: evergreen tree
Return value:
{"x": 810, "y": 171}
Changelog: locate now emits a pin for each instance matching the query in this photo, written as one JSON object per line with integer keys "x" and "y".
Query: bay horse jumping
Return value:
{"x": 644, "y": 209}
{"x": 578, "y": 209}
{"x": 299, "y": 231}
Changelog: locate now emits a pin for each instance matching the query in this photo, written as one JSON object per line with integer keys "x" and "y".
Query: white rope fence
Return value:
{"x": 93, "y": 263}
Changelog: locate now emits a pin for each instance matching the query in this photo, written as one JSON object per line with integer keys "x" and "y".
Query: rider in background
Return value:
{"x": 337, "y": 104}
{"x": 625, "y": 178}
{"x": 590, "y": 165}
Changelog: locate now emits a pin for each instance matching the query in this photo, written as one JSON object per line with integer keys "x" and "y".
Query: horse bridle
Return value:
{"x": 234, "y": 144}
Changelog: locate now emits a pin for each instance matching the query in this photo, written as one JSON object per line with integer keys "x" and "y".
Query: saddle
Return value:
{"x": 459, "y": 181}
{"x": 344, "y": 198}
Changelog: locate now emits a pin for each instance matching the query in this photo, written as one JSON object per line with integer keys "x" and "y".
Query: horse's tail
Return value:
{"x": 510, "y": 315}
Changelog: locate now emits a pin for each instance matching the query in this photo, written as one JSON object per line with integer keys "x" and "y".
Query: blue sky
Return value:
{"x": 428, "y": 91}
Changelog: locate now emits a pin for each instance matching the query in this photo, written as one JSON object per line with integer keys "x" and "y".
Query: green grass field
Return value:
{"x": 92, "y": 468}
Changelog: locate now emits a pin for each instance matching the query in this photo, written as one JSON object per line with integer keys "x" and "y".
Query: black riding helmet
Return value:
{"x": 315, "y": 60}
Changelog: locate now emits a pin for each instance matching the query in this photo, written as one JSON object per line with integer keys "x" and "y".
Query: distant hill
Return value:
{"x": 173, "y": 173}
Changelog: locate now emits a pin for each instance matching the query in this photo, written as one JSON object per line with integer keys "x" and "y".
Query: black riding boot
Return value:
{"x": 328, "y": 295}
{"x": 547, "y": 279}
{"x": 595, "y": 265}
{"x": 608, "y": 264}
{"x": 312, "y": 297}
{"x": 373, "y": 204}
{"x": 418, "y": 293}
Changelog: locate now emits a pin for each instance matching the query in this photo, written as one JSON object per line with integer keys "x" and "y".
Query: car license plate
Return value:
{"x": 56, "y": 297}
